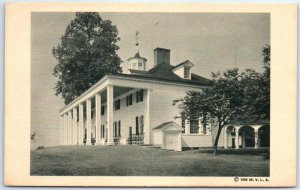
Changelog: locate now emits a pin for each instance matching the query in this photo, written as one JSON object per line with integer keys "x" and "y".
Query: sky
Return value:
{"x": 213, "y": 42}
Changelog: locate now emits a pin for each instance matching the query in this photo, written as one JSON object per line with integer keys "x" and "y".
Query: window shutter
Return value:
{"x": 137, "y": 96}
{"x": 136, "y": 125}
{"x": 119, "y": 129}
{"x": 142, "y": 124}
{"x": 142, "y": 95}
{"x": 130, "y": 99}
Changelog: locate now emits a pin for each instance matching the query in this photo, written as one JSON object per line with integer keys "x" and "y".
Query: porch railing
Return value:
{"x": 117, "y": 140}
{"x": 136, "y": 139}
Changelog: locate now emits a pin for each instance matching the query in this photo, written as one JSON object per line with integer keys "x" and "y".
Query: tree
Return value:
{"x": 86, "y": 53}
{"x": 267, "y": 56}
{"x": 232, "y": 98}
{"x": 220, "y": 102}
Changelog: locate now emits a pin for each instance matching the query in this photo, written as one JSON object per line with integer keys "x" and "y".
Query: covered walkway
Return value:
{"x": 247, "y": 135}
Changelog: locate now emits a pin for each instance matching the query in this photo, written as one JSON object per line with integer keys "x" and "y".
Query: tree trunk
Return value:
{"x": 217, "y": 140}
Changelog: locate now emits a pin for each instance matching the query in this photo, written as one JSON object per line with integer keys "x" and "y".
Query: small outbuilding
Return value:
{"x": 170, "y": 135}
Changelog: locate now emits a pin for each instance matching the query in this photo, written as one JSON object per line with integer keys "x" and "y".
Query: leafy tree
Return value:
{"x": 265, "y": 82}
{"x": 219, "y": 103}
{"x": 86, "y": 52}
{"x": 267, "y": 56}
{"x": 232, "y": 98}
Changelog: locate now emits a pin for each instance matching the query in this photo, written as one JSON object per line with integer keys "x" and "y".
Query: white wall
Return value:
{"x": 200, "y": 140}
{"x": 162, "y": 109}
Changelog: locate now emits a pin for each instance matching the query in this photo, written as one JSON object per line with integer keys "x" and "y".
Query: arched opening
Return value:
{"x": 247, "y": 137}
{"x": 230, "y": 134}
{"x": 264, "y": 136}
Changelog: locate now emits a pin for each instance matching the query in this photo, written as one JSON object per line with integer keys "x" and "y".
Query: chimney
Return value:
{"x": 161, "y": 56}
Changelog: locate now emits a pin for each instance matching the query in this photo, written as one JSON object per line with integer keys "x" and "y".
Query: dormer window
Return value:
{"x": 186, "y": 72}
{"x": 183, "y": 70}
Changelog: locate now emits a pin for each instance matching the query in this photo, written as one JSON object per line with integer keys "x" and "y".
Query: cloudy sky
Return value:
{"x": 213, "y": 42}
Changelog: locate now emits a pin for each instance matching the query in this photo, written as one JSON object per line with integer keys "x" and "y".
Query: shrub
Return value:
{"x": 40, "y": 148}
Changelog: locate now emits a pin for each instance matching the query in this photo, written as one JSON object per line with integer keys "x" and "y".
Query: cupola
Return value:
{"x": 137, "y": 62}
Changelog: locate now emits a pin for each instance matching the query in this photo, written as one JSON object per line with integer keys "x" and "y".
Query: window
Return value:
{"x": 186, "y": 72}
{"x": 102, "y": 110}
{"x": 183, "y": 122}
{"x": 115, "y": 129}
{"x": 92, "y": 114}
{"x": 139, "y": 125}
{"x": 102, "y": 131}
{"x": 129, "y": 100}
{"x": 194, "y": 126}
{"x": 139, "y": 96}
{"x": 117, "y": 104}
{"x": 140, "y": 65}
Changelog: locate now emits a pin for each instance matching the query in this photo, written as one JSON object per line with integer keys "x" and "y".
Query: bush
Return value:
{"x": 40, "y": 148}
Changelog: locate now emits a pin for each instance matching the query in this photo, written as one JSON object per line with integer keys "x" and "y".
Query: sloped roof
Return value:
{"x": 183, "y": 63}
{"x": 138, "y": 72}
{"x": 137, "y": 55}
{"x": 171, "y": 125}
{"x": 164, "y": 72}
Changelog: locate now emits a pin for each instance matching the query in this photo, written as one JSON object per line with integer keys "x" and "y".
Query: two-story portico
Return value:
{"x": 122, "y": 105}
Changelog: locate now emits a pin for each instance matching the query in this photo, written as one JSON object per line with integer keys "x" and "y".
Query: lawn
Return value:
{"x": 144, "y": 161}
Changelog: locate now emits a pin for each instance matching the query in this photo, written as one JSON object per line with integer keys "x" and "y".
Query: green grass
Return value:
{"x": 143, "y": 161}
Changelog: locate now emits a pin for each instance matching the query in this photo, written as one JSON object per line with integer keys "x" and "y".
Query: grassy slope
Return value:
{"x": 142, "y": 161}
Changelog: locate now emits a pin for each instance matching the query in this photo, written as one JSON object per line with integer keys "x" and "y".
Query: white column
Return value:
{"x": 88, "y": 122}
{"x": 187, "y": 127}
{"x": 61, "y": 123}
{"x": 225, "y": 138}
{"x": 200, "y": 127}
{"x": 69, "y": 127}
{"x": 147, "y": 118}
{"x": 81, "y": 124}
{"x": 75, "y": 126}
{"x": 98, "y": 117}
{"x": 256, "y": 138}
{"x": 244, "y": 139}
{"x": 237, "y": 137}
{"x": 65, "y": 129}
{"x": 110, "y": 117}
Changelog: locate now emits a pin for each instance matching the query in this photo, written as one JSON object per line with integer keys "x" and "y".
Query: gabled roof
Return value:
{"x": 183, "y": 63}
{"x": 168, "y": 126}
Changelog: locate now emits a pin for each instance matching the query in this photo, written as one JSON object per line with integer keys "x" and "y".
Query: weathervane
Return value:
{"x": 137, "y": 41}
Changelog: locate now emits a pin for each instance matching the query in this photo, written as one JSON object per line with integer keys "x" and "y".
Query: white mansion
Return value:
{"x": 137, "y": 108}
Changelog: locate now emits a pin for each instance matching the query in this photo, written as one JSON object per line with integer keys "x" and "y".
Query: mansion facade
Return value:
{"x": 137, "y": 108}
